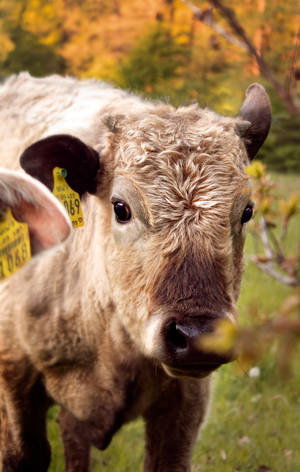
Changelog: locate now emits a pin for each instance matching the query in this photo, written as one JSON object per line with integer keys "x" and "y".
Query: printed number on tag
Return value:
{"x": 14, "y": 244}
{"x": 68, "y": 197}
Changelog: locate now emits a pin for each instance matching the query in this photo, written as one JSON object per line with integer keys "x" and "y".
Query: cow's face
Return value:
{"x": 179, "y": 202}
{"x": 177, "y": 205}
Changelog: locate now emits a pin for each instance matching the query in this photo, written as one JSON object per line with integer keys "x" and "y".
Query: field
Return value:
{"x": 254, "y": 425}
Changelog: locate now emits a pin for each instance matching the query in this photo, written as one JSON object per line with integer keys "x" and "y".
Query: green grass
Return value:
{"x": 254, "y": 422}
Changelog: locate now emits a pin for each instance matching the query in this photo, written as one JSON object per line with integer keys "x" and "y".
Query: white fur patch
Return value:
{"x": 152, "y": 334}
{"x": 204, "y": 204}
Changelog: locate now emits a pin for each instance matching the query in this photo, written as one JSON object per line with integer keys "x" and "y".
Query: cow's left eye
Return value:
{"x": 122, "y": 211}
{"x": 247, "y": 213}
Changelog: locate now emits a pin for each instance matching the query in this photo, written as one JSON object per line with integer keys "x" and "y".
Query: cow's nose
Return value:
{"x": 183, "y": 342}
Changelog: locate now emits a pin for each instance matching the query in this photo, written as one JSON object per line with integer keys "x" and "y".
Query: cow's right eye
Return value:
{"x": 122, "y": 211}
{"x": 247, "y": 214}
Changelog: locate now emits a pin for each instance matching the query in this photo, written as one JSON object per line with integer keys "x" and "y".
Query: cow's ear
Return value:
{"x": 81, "y": 162}
{"x": 32, "y": 203}
{"x": 254, "y": 119}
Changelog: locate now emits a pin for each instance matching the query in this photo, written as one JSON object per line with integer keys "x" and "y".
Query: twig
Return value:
{"x": 264, "y": 68}
{"x": 268, "y": 265}
{"x": 245, "y": 44}
{"x": 276, "y": 245}
{"x": 264, "y": 239}
{"x": 290, "y": 80}
{"x": 208, "y": 20}
{"x": 284, "y": 230}
{"x": 269, "y": 269}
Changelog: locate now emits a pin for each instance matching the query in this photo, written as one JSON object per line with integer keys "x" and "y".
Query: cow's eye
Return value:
{"x": 122, "y": 211}
{"x": 247, "y": 213}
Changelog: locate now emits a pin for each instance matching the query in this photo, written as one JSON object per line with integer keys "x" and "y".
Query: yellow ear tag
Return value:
{"x": 14, "y": 244}
{"x": 68, "y": 197}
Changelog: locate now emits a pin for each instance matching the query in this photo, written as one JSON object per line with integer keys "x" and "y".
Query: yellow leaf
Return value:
{"x": 292, "y": 204}
{"x": 221, "y": 340}
{"x": 265, "y": 205}
{"x": 283, "y": 207}
{"x": 256, "y": 169}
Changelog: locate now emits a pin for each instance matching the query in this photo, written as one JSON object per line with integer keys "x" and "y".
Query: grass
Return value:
{"x": 254, "y": 425}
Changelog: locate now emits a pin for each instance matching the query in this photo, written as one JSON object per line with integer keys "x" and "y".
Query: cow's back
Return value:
{"x": 33, "y": 108}
{"x": 30, "y": 107}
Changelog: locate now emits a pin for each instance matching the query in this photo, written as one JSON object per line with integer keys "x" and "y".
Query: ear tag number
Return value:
{"x": 14, "y": 244}
{"x": 68, "y": 197}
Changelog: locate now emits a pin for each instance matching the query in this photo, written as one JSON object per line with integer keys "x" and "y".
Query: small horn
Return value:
{"x": 256, "y": 110}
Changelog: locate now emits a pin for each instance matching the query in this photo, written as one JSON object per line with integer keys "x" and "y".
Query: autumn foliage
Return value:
{"x": 185, "y": 50}
{"x": 90, "y": 38}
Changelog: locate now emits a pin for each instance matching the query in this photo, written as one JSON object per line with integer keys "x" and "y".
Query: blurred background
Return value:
{"x": 188, "y": 51}
{"x": 206, "y": 51}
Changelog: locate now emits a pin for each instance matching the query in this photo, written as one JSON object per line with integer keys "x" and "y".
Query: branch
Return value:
{"x": 276, "y": 245}
{"x": 291, "y": 80}
{"x": 264, "y": 68}
{"x": 207, "y": 18}
{"x": 281, "y": 325}
{"x": 284, "y": 231}
{"x": 264, "y": 239}
{"x": 267, "y": 266}
{"x": 269, "y": 269}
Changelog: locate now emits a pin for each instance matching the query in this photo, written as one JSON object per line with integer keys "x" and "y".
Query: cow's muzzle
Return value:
{"x": 183, "y": 354}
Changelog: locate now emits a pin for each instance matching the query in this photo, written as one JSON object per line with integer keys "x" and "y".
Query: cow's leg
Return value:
{"x": 23, "y": 441}
{"x": 76, "y": 446}
{"x": 172, "y": 425}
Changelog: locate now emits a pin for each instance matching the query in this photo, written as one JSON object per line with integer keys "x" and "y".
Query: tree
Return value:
{"x": 155, "y": 59}
{"x": 286, "y": 87}
{"x": 31, "y": 28}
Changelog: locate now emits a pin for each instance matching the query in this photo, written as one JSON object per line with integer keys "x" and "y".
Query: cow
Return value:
{"x": 109, "y": 325}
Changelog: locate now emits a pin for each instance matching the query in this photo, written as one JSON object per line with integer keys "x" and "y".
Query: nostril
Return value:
{"x": 176, "y": 337}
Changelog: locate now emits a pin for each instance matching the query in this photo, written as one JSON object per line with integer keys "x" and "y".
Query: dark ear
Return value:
{"x": 81, "y": 162}
{"x": 255, "y": 114}
{"x": 32, "y": 203}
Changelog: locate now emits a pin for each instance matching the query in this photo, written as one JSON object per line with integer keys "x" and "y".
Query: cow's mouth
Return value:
{"x": 196, "y": 371}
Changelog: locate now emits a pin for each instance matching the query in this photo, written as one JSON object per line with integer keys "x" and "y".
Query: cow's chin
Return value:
{"x": 192, "y": 372}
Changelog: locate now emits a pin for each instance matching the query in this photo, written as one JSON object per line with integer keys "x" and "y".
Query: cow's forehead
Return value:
{"x": 164, "y": 136}
{"x": 185, "y": 161}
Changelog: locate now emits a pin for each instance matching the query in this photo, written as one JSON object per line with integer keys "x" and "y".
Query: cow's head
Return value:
{"x": 178, "y": 201}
